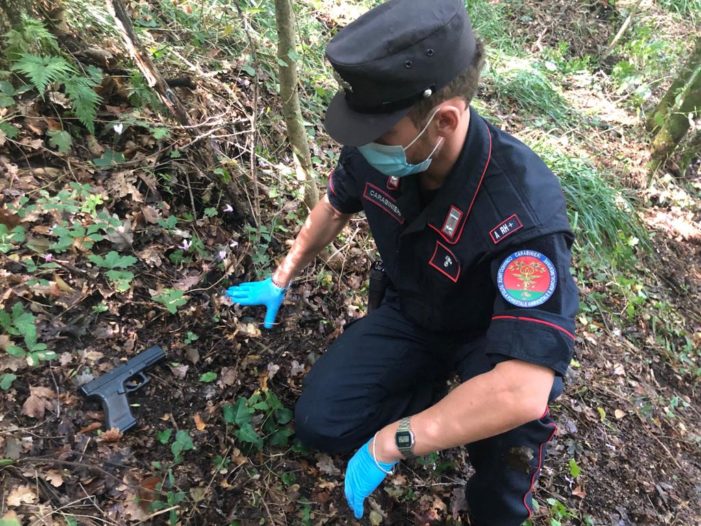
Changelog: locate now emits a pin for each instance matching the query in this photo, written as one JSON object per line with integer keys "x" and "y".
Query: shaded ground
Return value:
{"x": 630, "y": 415}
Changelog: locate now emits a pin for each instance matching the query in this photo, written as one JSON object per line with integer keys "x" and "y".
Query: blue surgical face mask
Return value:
{"x": 391, "y": 160}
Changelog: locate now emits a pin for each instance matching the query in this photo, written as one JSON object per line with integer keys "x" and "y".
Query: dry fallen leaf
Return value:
{"x": 90, "y": 427}
{"x": 579, "y": 492}
{"x": 38, "y": 402}
{"x": 54, "y": 477}
{"x": 326, "y": 465}
{"x": 227, "y": 376}
{"x": 21, "y": 495}
{"x": 199, "y": 423}
{"x": 111, "y": 435}
{"x": 179, "y": 371}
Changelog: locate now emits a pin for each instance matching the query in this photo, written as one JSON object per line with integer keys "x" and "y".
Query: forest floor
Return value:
{"x": 214, "y": 443}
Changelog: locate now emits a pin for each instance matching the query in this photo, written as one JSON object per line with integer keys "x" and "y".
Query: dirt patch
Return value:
{"x": 586, "y": 27}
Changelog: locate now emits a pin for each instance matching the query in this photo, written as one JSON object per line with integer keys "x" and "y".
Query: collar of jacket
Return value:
{"x": 450, "y": 209}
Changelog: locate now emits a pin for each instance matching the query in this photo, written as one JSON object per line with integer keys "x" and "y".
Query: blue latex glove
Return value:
{"x": 363, "y": 477}
{"x": 259, "y": 293}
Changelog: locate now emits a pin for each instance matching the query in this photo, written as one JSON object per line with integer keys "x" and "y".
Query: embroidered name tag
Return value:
{"x": 527, "y": 278}
{"x": 381, "y": 199}
{"x": 505, "y": 229}
{"x": 445, "y": 262}
{"x": 452, "y": 221}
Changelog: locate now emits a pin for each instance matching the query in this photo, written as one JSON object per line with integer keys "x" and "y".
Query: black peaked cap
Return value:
{"x": 389, "y": 59}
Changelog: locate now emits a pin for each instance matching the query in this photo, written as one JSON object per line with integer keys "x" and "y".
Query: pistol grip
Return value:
{"x": 117, "y": 412}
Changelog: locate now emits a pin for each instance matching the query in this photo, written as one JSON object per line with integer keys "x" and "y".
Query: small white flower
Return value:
{"x": 234, "y": 244}
{"x": 221, "y": 254}
{"x": 185, "y": 245}
{"x": 118, "y": 128}
{"x": 48, "y": 257}
{"x": 228, "y": 208}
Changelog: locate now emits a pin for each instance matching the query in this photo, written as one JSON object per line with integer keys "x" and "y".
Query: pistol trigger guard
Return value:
{"x": 143, "y": 380}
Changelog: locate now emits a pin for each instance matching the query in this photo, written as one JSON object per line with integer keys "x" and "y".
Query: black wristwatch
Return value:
{"x": 404, "y": 438}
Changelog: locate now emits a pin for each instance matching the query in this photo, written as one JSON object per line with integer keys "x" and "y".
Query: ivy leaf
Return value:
{"x": 109, "y": 159}
{"x": 6, "y": 381}
{"x": 164, "y": 436}
{"x": 61, "y": 140}
{"x": 8, "y": 130}
{"x": 171, "y": 299}
{"x": 182, "y": 442}
{"x": 208, "y": 377}
{"x": 281, "y": 437}
{"x": 283, "y": 416}
{"x": 246, "y": 433}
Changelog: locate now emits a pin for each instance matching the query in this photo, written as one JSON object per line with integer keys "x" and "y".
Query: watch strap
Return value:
{"x": 405, "y": 427}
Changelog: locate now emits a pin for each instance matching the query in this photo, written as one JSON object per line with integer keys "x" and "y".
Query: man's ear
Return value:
{"x": 448, "y": 119}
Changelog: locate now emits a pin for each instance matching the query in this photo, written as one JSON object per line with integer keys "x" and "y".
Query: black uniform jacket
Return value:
{"x": 488, "y": 255}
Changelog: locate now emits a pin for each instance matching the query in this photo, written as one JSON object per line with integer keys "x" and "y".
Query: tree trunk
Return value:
{"x": 677, "y": 124}
{"x": 666, "y": 104}
{"x": 284, "y": 18}
{"x": 13, "y": 14}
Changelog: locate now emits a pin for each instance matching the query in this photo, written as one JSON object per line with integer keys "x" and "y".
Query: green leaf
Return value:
{"x": 182, "y": 442}
{"x": 242, "y": 413}
{"x": 15, "y": 351}
{"x": 293, "y": 55}
{"x": 6, "y": 381}
{"x": 10, "y": 521}
{"x": 281, "y": 437}
{"x": 283, "y": 416}
{"x": 43, "y": 70}
{"x": 160, "y": 133}
{"x": 5, "y": 101}
{"x": 208, "y": 377}
{"x": 575, "y": 470}
{"x": 109, "y": 159}
{"x": 113, "y": 260}
{"x": 228, "y": 413}
{"x": 246, "y": 433}
{"x": 7, "y": 89}
{"x": 8, "y": 130}
{"x": 164, "y": 436}
{"x": 121, "y": 279}
{"x": 171, "y": 299}
{"x": 61, "y": 140}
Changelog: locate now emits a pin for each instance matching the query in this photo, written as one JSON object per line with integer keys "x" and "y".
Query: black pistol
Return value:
{"x": 112, "y": 387}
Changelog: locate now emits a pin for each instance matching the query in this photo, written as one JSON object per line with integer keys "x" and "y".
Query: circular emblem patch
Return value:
{"x": 527, "y": 278}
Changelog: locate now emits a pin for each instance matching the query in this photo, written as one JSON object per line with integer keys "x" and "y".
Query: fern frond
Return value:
{"x": 81, "y": 92}
{"x": 43, "y": 70}
{"x": 35, "y": 32}
{"x": 30, "y": 37}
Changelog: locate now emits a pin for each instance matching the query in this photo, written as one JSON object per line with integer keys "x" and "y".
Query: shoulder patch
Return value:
{"x": 527, "y": 278}
{"x": 505, "y": 229}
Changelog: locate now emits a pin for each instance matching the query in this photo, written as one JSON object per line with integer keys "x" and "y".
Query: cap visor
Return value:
{"x": 351, "y": 128}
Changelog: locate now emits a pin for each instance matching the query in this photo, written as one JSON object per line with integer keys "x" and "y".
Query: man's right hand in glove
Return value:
{"x": 259, "y": 293}
{"x": 321, "y": 227}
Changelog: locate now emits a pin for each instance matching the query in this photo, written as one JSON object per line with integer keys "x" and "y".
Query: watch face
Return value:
{"x": 403, "y": 439}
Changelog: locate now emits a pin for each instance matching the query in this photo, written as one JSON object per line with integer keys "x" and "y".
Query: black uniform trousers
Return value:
{"x": 384, "y": 367}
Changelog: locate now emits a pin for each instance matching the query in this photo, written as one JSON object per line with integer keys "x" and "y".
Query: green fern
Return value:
{"x": 43, "y": 70}
{"x": 81, "y": 92}
{"x": 30, "y": 37}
